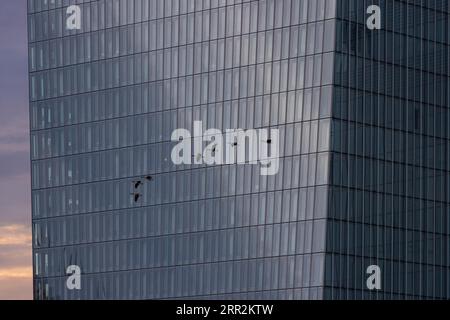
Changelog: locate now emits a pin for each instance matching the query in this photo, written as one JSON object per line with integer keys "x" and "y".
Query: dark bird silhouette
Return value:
{"x": 269, "y": 141}
{"x": 149, "y": 178}
{"x": 137, "y": 184}
{"x": 136, "y": 196}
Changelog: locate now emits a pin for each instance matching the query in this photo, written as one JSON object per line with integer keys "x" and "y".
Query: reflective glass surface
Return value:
{"x": 364, "y": 173}
{"x": 104, "y": 101}
{"x": 389, "y": 173}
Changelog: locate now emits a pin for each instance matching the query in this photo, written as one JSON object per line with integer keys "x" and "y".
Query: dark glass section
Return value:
{"x": 390, "y": 170}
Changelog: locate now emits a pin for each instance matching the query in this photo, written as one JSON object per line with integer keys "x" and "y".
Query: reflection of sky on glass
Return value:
{"x": 15, "y": 230}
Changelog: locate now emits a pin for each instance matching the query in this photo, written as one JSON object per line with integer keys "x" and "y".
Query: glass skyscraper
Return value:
{"x": 389, "y": 169}
{"x": 364, "y": 157}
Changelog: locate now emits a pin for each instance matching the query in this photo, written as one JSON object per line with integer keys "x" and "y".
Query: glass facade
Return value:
{"x": 390, "y": 195}
{"x": 104, "y": 102}
{"x": 364, "y": 171}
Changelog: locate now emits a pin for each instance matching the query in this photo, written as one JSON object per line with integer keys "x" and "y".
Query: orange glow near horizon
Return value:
{"x": 16, "y": 272}
{"x": 15, "y": 235}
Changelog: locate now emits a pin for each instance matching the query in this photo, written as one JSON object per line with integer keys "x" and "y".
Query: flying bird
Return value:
{"x": 136, "y": 196}
{"x": 137, "y": 184}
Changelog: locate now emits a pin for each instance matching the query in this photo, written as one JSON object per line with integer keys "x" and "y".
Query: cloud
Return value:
{"x": 15, "y": 146}
{"x": 14, "y": 257}
{"x": 14, "y": 235}
{"x": 16, "y": 289}
{"x": 15, "y": 199}
{"x": 13, "y": 64}
{"x": 16, "y": 274}
{"x": 15, "y": 126}
{"x": 14, "y": 136}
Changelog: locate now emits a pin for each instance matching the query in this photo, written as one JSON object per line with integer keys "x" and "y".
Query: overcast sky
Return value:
{"x": 15, "y": 215}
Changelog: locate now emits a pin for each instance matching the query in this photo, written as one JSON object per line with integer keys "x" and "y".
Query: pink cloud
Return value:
{"x": 15, "y": 235}
{"x": 16, "y": 274}
{"x": 16, "y": 289}
{"x": 14, "y": 136}
{"x": 15, "y": 199}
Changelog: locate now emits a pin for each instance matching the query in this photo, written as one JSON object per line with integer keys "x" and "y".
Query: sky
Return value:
{"x": 15, "y": 203}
